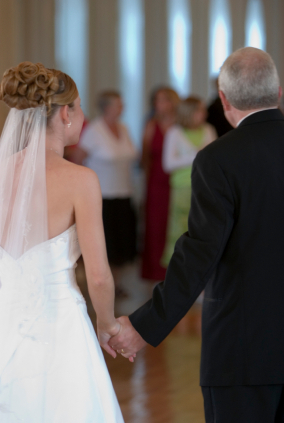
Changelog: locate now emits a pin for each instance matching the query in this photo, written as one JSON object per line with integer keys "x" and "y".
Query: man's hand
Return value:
{"x": 128, "y": 341}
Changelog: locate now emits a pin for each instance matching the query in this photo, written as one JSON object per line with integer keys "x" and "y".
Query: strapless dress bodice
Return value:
{"x": 55, "y": 255}
{"x": 39, "y": 284}
{"x": 52, "y": 262}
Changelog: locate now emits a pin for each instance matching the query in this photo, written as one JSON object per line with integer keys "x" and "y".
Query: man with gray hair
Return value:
{"x": 248, "y": 81}
{"x": 234, "y": 249}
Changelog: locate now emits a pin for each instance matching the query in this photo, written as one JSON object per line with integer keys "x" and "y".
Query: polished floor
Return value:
{"x": 162, "y": 386}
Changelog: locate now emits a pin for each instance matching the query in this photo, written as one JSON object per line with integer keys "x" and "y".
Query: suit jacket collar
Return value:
{"x": 262, "y": 116}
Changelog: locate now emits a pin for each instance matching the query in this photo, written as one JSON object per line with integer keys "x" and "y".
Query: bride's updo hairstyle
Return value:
{"x": 32, "y": 85}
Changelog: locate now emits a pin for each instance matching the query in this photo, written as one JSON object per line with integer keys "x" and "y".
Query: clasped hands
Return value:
{"x": 124, "y": 339}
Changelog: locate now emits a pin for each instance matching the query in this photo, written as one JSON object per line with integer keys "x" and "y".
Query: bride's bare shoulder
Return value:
{"x": 83, "y": 187}
{"x": 75, "y": 177}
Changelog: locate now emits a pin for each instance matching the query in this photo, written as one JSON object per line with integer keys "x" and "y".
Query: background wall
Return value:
{"x": 27, "y": 32}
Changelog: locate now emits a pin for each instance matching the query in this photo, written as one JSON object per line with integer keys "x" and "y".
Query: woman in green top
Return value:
{"x": 182, "y": 143}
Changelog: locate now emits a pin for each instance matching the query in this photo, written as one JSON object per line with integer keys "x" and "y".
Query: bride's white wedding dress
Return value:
{"x": 52, "y": 369}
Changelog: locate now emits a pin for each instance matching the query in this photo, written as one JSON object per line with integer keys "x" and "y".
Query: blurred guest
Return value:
{"x": 152, "y": 101}
{"x": 165, "y": 102}
{"x": 216, "y": 115}
{"x": 182, "y": 143}
{"x": 107, "y": 149}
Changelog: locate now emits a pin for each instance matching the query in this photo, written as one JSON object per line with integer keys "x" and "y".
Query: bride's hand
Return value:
{"x": 104, "y": 335}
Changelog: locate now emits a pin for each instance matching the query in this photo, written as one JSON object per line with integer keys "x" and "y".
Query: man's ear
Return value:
{"x": 280, "y": 93}
{"x": 64, "y": 114}
{"x": 225, "y": 103}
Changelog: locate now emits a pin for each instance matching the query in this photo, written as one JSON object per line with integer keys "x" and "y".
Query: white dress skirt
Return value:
{"x": 52, "y": 369}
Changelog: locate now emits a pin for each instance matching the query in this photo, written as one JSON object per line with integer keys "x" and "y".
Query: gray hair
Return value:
{"x": 105, "y": 98}
{"x": 249, "y": 79}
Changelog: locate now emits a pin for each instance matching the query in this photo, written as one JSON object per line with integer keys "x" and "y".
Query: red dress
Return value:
{"x": 156, "y": 211}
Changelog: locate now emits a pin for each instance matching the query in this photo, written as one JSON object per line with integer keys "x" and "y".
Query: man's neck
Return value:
{"x": 235, "y": 116}
{"x": 247, "y": 113}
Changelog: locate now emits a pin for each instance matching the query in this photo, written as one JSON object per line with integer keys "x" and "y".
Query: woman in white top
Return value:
{"x": 182, "y": 143}
{"x": 108, "y": 150}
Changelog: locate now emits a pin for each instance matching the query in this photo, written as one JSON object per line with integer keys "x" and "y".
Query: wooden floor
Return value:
{"x": 162, "y": 386}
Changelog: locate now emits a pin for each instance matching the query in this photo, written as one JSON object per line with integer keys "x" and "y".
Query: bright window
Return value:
{"x": 255, "y": 25}
{"x": 220, "y": 35}
{"x": 71, "y": 43}
{"x": 131, "y": 55}
{"x": 179, "y": 30}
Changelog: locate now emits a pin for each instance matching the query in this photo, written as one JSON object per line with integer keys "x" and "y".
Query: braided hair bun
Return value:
{"x": 32, "y": 85}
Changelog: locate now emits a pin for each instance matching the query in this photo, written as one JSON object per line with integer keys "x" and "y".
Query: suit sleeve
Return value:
{"x": 196, "y": 253}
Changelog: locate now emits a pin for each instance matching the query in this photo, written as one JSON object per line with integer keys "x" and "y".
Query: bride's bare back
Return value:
{"x": 74, "y": 196}
{"x": 61, "y": 178}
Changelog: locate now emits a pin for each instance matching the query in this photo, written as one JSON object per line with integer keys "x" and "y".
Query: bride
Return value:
{"x": 52, "y": 369}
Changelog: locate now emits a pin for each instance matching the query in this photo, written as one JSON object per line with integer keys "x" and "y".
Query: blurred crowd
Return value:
{"x": 174, "y": 131}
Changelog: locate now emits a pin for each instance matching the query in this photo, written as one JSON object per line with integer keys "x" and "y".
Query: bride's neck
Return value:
{"x": 54, "y": 143}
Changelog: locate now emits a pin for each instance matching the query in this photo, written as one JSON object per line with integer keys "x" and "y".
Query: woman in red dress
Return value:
{"x": 157, "y": 189}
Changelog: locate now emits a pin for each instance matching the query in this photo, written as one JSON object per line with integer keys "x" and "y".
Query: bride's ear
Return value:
{"x": 64, "y": 114}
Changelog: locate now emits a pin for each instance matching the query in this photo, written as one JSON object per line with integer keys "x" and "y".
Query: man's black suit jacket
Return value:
{"x": 234, "y": 248}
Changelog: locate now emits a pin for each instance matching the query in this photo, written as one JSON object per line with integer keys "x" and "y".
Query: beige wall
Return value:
{"x": 27, "y": 33}
{"x": 8, "y": 42}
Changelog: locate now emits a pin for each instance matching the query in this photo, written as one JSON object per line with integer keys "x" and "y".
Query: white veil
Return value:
{"x": 23, "y": 205}
{"x": 24, "y": 319}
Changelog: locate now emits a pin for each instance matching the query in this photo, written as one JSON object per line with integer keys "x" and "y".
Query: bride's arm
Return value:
{"x": 88, "y": 215}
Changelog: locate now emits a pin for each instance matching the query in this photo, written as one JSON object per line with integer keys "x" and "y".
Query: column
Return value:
{"x": 200, "y": 48}
{"x": 156, "y": 45}
{"x": 274, "y": 12}
{"x": 103, "y": 49}
{"x": 238, "y": 17}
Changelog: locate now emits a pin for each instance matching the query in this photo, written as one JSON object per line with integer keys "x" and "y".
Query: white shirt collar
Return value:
{"x": 252, "y": 113}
